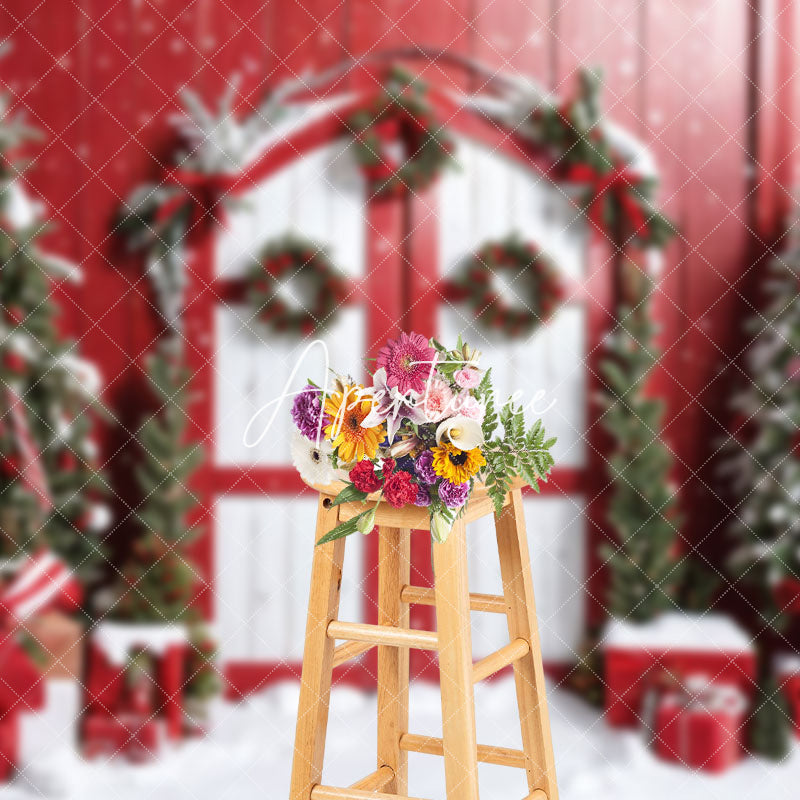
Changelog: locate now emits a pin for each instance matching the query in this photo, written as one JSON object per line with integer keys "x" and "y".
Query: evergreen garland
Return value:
{"x": 644, "y": 570}
{"x": 159, "y": 579}
{"x": 403, "y": 113}
{"x": 572, "y": 132}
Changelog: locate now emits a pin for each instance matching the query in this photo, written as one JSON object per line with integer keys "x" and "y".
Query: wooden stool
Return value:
{"x": 452, "y": 641}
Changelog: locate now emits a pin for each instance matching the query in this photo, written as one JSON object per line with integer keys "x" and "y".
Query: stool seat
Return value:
{"x": 393, "y": 637}
{"x": 479, "y": 505}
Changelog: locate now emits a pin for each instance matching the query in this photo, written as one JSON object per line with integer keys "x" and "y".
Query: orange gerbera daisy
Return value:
{"x": 347, "y": 410}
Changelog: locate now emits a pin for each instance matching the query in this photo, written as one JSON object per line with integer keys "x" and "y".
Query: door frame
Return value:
{"x": 387, "y": 246}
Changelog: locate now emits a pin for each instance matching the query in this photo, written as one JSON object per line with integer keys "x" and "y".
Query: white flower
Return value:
{"x": 313, "y": 463}
{"x": 460, "y": 431}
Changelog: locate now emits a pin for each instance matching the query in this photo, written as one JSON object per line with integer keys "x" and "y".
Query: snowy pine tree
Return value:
{"x": 763, "y": 468}
{"x": 50, "y": 487}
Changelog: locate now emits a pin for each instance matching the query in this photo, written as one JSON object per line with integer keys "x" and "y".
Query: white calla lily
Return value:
{"x": 462, "y": 432}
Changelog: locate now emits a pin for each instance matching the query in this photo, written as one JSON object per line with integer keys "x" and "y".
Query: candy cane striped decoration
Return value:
{"x": 30, "y": 469}
{"x": 43, "y": 579}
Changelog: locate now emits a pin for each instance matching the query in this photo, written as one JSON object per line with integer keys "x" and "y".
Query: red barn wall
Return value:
{"x": 702, "y": 81}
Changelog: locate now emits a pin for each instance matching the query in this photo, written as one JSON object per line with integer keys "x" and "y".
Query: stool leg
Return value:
{"x": 315, "y": 683}
{"x": 394, "y": 572}
{"x": 455, "y": 665}
{"x": 512, "y": 543}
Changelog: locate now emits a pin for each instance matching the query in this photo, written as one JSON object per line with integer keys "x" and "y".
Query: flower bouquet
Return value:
{"x": 423, "y": 434}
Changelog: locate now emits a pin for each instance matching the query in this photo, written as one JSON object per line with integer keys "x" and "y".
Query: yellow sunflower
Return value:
{"x": 347, "y": 409}
{"x": 456, "y": 466}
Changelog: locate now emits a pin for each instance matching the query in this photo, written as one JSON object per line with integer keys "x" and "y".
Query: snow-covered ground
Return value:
{"x": 249, "y": 751}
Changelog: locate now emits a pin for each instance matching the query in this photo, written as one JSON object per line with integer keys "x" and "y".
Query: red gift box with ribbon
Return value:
{"x": 787, "y": 668}
{"x": 105, "y": 681}
{"x": 9, "y": 744}
{"x": 702, "y": 726}
{"x": 676, "y": 644}
{"x": 135, "y": 737}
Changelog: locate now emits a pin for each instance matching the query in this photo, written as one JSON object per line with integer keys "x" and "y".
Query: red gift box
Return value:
{"x": 701, "y": 729}
{"x": 9, "y": 744}
{"x": 787, "y": 668}
{"x": 105, "y": 682}
{"x": 133, "y": 736}
{"x": 22, "y": 686}
{"x": 675, "y": 644}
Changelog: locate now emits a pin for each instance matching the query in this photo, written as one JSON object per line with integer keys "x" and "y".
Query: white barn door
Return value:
{"x": 488, "y": 198}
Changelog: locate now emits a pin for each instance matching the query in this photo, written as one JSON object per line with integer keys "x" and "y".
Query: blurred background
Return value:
{"x": 169, "y": 169}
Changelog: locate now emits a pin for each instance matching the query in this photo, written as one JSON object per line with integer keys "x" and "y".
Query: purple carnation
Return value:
{"x": 306, "y": 412}
{"x": 423, "y": 498}
{"x": 454, "y": 495}
{"x": 423, "y": 466}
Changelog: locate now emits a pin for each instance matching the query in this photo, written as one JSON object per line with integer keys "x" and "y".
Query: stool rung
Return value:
{"x": 375, "y": 781}
{"x": 349, "y": 650}
{"x": 537, "y": 794}
{"x": 332, "y": 793}
{"x": 383, "y": 635}
{"x": 432, "y": 746}
{"x": 518, "y": 649}
{"x": 419, "y": 595}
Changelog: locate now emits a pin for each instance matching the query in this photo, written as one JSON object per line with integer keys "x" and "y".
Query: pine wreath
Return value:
{"x": 532, "y": 277}
{"x": 318, "y": 286}
{"x": 402, "y": 114}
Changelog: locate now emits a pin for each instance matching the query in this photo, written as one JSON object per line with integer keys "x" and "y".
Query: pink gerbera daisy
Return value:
{"x": 408, "y": 362}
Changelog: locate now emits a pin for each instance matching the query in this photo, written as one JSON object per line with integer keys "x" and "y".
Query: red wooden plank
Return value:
{"x": 306, "y": 37}
{"x": 666, "y": 133}
{"x": 717, "y": 159}
{"x": 235, "y": 52}
{"x": 602, "y": 35}
{"x": 42, "y": 75}
{"x": 516, "y": 38}
{"x": 776, "y": 99}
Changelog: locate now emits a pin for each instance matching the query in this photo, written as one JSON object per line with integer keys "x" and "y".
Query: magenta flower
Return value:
{"x": 408, "y": 361}
{"x": 307, "y": 412}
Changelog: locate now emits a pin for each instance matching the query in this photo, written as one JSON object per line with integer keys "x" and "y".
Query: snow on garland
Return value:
{"x": 618, "y": 198}
{"x": 294, "y": 287}
{"x": 401, "y": 114}
{"x": 533, "y": 279}
{"x": 616, "y": 173}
